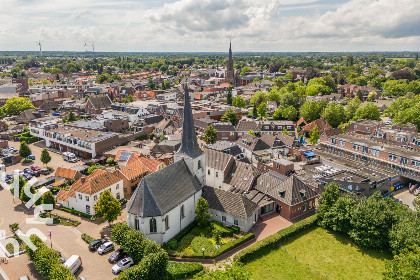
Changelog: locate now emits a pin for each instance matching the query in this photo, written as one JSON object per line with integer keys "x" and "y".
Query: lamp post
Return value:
{"x": 203, "y": 249}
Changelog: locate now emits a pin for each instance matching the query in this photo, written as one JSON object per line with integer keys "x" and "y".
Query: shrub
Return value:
{"x": 172, "y": 244}
{"x": 87, "y": 238}
{"x": 229, "y": 246}
{"x": 72, "y": 211}
{"x": 119, "y": 231}
{"x": 179, "y": 270}
{"x": 153, "y": 266}
{"x": 273, "y": 241}
{"x": 224, "y": 231}
{"x": 47, "y": 261}
{"x": 199, "y": 242}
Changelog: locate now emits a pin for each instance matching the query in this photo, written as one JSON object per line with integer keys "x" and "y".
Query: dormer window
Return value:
{"x": 302, "y": 193}
{"x": 282, "y": 194}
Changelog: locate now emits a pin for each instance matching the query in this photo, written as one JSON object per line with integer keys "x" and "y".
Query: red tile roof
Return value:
{"x": 95, "y": 182}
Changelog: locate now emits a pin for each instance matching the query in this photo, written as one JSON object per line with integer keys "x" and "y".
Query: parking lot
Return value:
{"x": 65, "y": 239}
{"x": 407, "y": 198}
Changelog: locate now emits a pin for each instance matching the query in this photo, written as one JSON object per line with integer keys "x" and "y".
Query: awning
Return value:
{"x": 310, "y": 154}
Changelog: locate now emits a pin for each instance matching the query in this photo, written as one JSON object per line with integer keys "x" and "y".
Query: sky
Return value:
{"x": 208, "y": 25}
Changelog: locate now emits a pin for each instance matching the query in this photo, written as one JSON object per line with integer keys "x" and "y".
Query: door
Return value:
{"x": 278, "y": 209}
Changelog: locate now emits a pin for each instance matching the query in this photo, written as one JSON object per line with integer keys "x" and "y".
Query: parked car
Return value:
{"x": 105, "y": 248}
{"x": 73, "y": 263}
{"x": 18, "y": 171}
{"x": 94, "y": 245}
{"x": 25, "y": 277}
{"x": 27, "y": 177}
{"x": 45, "y": 171}
{"x": 35, "y": 168}
{"x": 62, "y": 260}
{"x": 117, "y": 255}
{"x": 81, "y": 278}
{"x": 32, "y": 157}
{"x": 28, "y": 171}
{"x": 122, "y": 265}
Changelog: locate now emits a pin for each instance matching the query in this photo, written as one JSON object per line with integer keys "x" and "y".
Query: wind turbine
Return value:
{"x": 92, "y": 44}
{"x": 39, "y": 43}
{"x": 85, "y": 45}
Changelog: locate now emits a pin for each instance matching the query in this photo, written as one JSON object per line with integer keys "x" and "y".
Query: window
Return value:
{"x": 80, "y": 196}
{"x": 223, "y": 219}
{"x": 304, "y": 207}
{"x": 167, "y": 222}
{"x": 208, "y": 171}
{"x": 392, "y": 157}
{"x": 199, "y": 164}
{"x": 232, "y": 134}
{"x": 182, "y": 212}
{"x": 136, "y": 223}
{"x": 152, "y": 223}
{"x": 217, "y": 174}
{"x": 118, "y": 196}
{"x": 235, "y": 222}
{"x": 118, "y": 187}
{"x": 87, "y": 198}
{"x": 95, "y": 198}
{"x": 310, "y": 204}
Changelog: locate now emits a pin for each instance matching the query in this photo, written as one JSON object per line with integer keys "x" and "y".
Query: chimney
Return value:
{"x": 83, "y": 179}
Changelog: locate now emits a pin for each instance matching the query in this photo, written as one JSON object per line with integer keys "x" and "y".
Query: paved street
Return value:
{"x": 65, "y": 239}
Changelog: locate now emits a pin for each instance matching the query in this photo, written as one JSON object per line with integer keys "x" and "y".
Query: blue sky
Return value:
{"x": 207, "y": 25}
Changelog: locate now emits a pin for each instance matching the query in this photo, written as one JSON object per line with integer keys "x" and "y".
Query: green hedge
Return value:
{"x": 184, "y": 232}
{"x": 273, "y": 241}
{"x": 87, "y": 238}
{"x": 152, "y": 266}
{"x": 179, "y": 270}
{"x": 72, "y": 211}
{"x": 47, "y": 261}
{"x": 229, "y": 246}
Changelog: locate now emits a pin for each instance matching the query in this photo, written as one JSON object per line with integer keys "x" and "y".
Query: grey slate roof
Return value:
{"x": 189, "y": 145}
{"x": 100, "y": 102}
{"x": 252, "y": 143}
{"x": 163, "y": 190}
{"x": 227, "y": 147}
{"x": 223, "y": 126}
{"x": 166, "y": 147}
{"x": 243, "y": 177}
{"x": 246, "y": 126}
{"x": 230, "y": 203}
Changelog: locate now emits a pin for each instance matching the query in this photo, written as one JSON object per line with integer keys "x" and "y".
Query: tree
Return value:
{"x": 290, "y": 113}
{"x": 352, "y": 107}
{"x": 339, "y": 215}
{"x": 372, "y": 221}
{"x": 24, "y": 150}
{"x": 239, "y": 102}
{"x": 230, "y": 116}
{"x": 71, "y": 117}
{"x": 285, "y": 132}
{"x": 404, "y": 234}
{"x": 224, "y": 272}
{"x": 262, "y": 109}
{"x": 210, "y": 135}
{"x": 201, "y": 210}
{"x": 46, "y": 199}
{"x": 310, "y": 111}
{"x": 251, "y": 132}
{"x": 405, "y": 266}
{"x": 150, "y": 84}
{"x": 110, "y": 161}
{"x": 108, "y": 207}
{"x": 278, "y": 114}
{"x": 16, "y": 105}
{"x": 372, "y": 96}
{"x": 14, "y": 227}
{"x": 93, "y": 167}
{"x": 314, "y": 136}
{"x": 2, "y": 113}
{"x": 254, "y": 111}
{"x": 229, "y": 96}
{"x": 328, "y": 198}
{"x": 45, "y": 156}
{"x": 334, "y": 114}
{"x": 369, "y": 111}
{"x": 166, "y": 85}
{"x": 258, "y": 98}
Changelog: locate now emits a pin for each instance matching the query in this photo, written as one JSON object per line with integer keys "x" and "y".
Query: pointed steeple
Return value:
{"x": 189, "y": 146}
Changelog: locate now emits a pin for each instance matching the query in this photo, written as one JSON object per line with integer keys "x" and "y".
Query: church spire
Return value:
{"x": 189, "y": 146}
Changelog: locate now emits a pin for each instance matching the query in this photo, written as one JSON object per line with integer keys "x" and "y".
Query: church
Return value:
{"x": 164, "y": 202}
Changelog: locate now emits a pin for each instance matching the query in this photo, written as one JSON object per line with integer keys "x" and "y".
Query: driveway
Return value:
{"x": 407, "y": 198}
{"x": 67, "y": 240}
{"x": 269, "y": 225}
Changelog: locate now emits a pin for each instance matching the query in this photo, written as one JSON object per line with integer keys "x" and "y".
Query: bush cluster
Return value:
{"x": 180, "y": 270}
{"x": 87, "y": 238}
{"x": 150, "y": 259}
{"x": 47, "y": 261}
{"x": 72, "y": 211}
{"x": 273, "y": 241}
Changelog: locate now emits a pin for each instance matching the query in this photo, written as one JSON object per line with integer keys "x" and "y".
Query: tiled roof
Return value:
{"x": 246, "y": 126}
{"x": 152, "y": 164}
{"x": 65, "y": 172}
{"x": 118, "y": 156}
{"x": 243, "y": 177}
{"x": 62, "y": 195}
{"x": 133, "y": 168}
{"x": 100, "y": 102}
{"x": 320, "y": 123}
{"x": 161, "y": 191}
{"x": 217, "y": 160}
{"x": 252, "y": 143}
{"x": 95, "y": 182}
{"x": 230, "y": 203}
{"x": 223, "y": 126}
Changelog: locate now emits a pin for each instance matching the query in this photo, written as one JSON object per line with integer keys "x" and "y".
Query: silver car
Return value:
{"x": 105, "y": 248}
{"x": 122, "y": 265}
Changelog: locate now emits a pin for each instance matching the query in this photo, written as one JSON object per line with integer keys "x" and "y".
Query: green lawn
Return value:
{"x": 319, "y": 254}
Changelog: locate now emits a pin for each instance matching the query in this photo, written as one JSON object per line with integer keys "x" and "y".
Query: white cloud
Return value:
{"x": 206, "y": 25}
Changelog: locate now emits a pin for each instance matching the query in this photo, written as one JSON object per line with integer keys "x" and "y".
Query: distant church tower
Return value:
{"x": 193, "y": 156}
{"x": 230, "y": 72}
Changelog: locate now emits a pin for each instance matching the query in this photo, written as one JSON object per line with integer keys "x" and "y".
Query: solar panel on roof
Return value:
{"x": 125, "y": 156}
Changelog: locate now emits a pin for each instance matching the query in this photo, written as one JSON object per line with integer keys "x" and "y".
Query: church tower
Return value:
{"x": 230, "y": 72}
{"x": 193, "y": 156}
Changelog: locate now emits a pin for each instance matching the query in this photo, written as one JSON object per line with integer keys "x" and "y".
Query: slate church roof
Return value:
{"x": 163, "y": 190}
{"x": 189, "y": 145}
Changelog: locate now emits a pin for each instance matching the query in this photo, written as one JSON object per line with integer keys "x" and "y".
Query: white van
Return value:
{"x": 73, "y": 263}
{"x": 70, "y": 157}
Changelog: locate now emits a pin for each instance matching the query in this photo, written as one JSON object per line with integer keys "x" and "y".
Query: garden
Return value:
{"x": 214, "y": 238}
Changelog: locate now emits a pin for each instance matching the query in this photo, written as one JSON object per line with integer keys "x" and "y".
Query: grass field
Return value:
{"x": 319, "y": 254}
